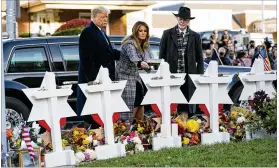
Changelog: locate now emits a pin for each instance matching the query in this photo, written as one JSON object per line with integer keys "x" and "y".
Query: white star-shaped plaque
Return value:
{"x": 257, "y": 79}
{"x": 50, "y": 104}
{"x": 211, "y": 91}
{"x": 40, "y": 97}
{"x": 163, "y": 88}
{"x": 104, "y": 98}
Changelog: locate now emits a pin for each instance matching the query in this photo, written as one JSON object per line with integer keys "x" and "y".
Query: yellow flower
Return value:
{"x": 84, "y": 136}
{"x": 18, "y": 142}
{"x": 192, "y": 126}
{"x": 234, "y": 114}
{"x": 82, "y": 148}
{"x": 85, "y": 142}
{"x": 185, "y": 141}
{"x": 64, "y": 142}
{"x": 140, "y": 129}
{"x": 91, "y": 132}
{"x": 76, "y": 132}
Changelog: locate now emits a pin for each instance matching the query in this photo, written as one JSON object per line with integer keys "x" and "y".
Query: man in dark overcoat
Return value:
{"x": 181, "y": 48}
{"x": 95, "y": 50}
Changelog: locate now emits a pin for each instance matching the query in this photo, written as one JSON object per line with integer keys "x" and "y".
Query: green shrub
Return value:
{"x": 69, "y": 32}
{"x": 24, "y": 35}
{"x": 270, "y": 119}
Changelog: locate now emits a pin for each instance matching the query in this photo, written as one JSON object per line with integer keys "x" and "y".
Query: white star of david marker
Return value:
{"x": 104, "y": 99}
{"x": 50, "y": 104}
{"x": 163, "y": 92}
{"x": 211, "y": 91}
{"x": 257, "y": 79}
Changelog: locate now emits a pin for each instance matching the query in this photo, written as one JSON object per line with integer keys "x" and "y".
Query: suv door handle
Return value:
{"x": 69, "y": 82}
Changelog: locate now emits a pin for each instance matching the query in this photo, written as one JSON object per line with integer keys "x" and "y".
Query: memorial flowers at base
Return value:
{"x": 190, "y": 130}
{"x": 14, "y": 137}
{"x": 79, "y": 139}
{"x": 136, "y": 136}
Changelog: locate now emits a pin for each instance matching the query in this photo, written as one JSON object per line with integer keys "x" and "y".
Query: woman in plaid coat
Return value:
{"x": 133, "y": 55}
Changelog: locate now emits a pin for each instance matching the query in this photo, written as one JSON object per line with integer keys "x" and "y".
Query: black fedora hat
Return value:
{"x": 184, "y": 13}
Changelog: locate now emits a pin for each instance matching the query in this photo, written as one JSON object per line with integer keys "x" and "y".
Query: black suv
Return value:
{"x": 27, "y": 60}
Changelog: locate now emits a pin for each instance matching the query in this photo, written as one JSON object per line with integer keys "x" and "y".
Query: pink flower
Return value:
{"x": 132, "y": 134}
{"x": 87, "y": 156}
{"x": 122, "y": 138}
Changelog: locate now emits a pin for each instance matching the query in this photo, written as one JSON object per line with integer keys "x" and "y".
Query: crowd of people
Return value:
{"x": 222, "y": 50}
{"x": 180, "y": 47}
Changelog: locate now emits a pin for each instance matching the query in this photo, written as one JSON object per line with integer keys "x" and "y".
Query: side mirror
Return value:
{"x": 235, "y": 42}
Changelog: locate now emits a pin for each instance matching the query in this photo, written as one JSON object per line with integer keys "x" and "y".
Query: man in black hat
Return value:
{"x": 181, "y": 48}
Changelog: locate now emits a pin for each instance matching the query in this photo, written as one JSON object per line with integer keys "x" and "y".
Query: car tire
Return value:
{"x": 18, "y": 106}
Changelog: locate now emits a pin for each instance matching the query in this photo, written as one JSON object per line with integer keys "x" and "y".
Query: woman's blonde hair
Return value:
{"x": 134, "y": 36}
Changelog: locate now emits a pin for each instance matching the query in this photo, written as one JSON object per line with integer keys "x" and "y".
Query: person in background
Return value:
{"x": 251, "y": 49}
{"x": 224, "y": 58}
{"x": 181, "y": 48}
{"x": 274, "y": 56}
{"x": 95, "y": 50}
{"x": 207, "y": 56}
{"x": 242, "y": 59}
{"x": 226, "y": 38}
{"x": 135, "y": 52}
{"x": 214, "y": 39}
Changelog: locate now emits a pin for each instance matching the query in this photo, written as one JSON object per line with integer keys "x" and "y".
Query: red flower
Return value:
{"x": 132, "y": 134}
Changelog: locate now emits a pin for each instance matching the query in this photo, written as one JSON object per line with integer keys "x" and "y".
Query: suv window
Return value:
{"x": 29, "y": 60}
{"x": 155, "y": 49}
{"x": 206, "y": 35}
{"x": 70, "y": 54}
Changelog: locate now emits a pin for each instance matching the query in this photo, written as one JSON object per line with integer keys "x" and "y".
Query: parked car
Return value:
{"x": 27, "y": 60}
{"x": 205, "y": 37}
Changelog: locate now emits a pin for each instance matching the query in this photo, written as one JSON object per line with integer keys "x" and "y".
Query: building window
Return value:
{"x": 29, "y": 60}
{"x": 83, "y": 15}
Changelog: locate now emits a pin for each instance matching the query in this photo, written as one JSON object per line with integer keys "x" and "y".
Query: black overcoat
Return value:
{"x": 95, "y": 50}
{"x": 193, "y": 56}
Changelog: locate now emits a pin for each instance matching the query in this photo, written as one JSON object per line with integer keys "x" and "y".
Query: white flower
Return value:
{"x": 137, "y": 140}
{"x": 95, "y": 142}
{"x": 223, "y": 129}
{"x": 139, "y": 148}
{"x": 77, "y": 160}
{"x": 36, "y": 128}
{"x": 92, "y": 153}
{"x": 90, "y": 139}
{"x": 240, "y": 120}
{"x": 125, "y": 142}
{"x": 80, "y": 156}
{"x": 16, "y": 133}
{"x": 39, "y": 140}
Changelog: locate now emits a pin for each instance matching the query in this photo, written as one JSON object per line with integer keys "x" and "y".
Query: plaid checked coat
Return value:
{"x": 126, "y": 69}
{"x": 193, "y": 57}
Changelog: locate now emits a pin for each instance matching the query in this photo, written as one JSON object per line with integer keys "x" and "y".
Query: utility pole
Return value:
{"x": 263, "y": 25}
{"x": 11, "y": 18}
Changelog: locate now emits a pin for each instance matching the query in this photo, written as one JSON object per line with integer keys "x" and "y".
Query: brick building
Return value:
{"x": 46, "y": 16}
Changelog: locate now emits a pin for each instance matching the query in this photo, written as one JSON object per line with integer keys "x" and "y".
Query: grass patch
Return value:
{"x": 255, "y": 153}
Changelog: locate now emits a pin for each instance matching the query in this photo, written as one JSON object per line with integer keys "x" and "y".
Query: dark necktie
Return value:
{"x": 103, "y": 32}
{"x": 182, "y": 34}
